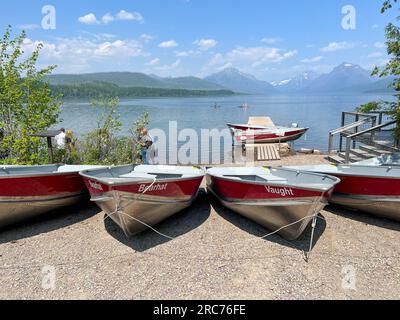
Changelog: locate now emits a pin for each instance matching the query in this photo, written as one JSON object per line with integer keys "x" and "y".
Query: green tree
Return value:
{"x": 99, "y": 143}
{"x": 26, "y": 103}
{"x": 104, "y": 145}
{"x": 392, "y": 68}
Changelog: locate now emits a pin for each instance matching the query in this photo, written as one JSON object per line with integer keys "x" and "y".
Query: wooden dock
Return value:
{"x": 265, "y": 151}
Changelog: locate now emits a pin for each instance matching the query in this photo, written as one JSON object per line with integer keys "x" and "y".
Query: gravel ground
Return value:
{"x": 216, "y": 254}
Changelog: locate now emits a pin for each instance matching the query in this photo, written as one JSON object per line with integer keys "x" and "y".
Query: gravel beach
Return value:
{"x": 215, "y": 254}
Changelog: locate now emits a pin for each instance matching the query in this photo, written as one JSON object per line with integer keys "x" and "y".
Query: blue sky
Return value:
{"x": 272, "y": 40}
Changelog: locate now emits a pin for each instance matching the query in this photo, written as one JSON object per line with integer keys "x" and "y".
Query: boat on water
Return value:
{"x": 281, "y": 200}
{"x": 244, "y": 106}
{"x": 269, "y": 135}
{"x": 371, "y": 186}
{"x": 137, "y": 197}
{"x": 28, "y": 191}
{"x": 263, "y": 130}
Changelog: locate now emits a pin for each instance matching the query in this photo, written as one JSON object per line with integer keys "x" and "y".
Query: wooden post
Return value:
{"x": 356, "y": 130}
{"x": 341, "y": 136}
{"x": 50, "y": 149}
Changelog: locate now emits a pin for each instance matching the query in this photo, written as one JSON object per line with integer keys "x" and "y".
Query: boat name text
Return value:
{"x": 156, "y": 187}
{"x": 284, "y": 192}
{"x": 95, "y": 185}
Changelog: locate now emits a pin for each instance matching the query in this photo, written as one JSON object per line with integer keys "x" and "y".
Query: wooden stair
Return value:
{"x": 364, "y": 152}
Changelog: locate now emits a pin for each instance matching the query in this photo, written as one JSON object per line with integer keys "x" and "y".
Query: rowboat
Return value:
{"x": 271, "y": 135}
{"x": 256, "y": 133}
{"x": 28, "y": 191}
{"x": 281, "y": 200}
{"x": 368, "y": 187}
{"x": 137, "y": 197}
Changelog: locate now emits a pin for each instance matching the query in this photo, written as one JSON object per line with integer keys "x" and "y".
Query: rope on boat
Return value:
{"x": 120, "y": 210}
{"x": 313, "y": 213}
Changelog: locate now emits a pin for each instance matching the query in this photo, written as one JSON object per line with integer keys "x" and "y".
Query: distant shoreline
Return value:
{"x": 94, "y": 90}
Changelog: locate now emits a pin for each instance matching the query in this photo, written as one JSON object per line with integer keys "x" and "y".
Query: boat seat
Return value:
{"x": 137, "y": 175}
{"x": 261, "y": 121}
{"x": 257, "y": 178}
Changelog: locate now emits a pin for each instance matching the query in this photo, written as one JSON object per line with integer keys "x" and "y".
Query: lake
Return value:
{"x": 319, "y": 112}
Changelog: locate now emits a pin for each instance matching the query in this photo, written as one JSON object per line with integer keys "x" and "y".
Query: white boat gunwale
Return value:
{"x": 133, "y": 180}
{"x": 319, "y": 169}
{"x": 33, "y": 174}
{"x": 334, "y": 179}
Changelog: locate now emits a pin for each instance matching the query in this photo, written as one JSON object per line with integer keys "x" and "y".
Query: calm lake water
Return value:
{"x": 321, "y": 113}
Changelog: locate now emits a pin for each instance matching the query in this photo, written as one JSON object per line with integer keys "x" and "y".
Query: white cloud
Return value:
{"x": 379, "y": 45}
{"x": 309, "y": 46}
{"x": 167, "y": 67}
{"x": 251, "y": 56}
{"x": 376, "y": 54}
{"x": 205, "y": 44}
{"x": 107, "y": 18}
{"x": 190, "y": 53}
{"x": 312, "y": 60}
{"x": 260, "y": 54}
{"x": 168, "y": 44}
{"x": 125, "y": 15}
{"x": 270, "y": 40}
{"x": 375, "y": 26}
{"x": 118, "y": 48}
{"x": 336, "y": 46}
{"x": 90, "y": 19}
{"x": 77, "y": 54}
{"x": 153, "y": 62}
{"x": 28, "y": 26}
{"x": 146, "y": 37}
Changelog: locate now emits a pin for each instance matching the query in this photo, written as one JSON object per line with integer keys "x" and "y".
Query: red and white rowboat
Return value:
{"x": 274, "y": 198}
{"x": 261, "y": 134}
{"x": 138, "y": 197}
{"x": 28, "y": 191}
{"x": 373, "y": 188}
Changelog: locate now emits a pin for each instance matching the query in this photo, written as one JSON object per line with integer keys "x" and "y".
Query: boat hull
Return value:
{"x": 137, "y": 215}
{"x": 134, "y": 209}
{"x": 17, "y": 210}
{"x": 274, "y": 215}
{"x": 287, "y": 215}
{"x": 268, "y": 137}
{"x": 386, "y": 207}
{"x": 369, "y": 188}
{"x": 379, "y": 196}
{"x": 26, "y": 197}
{"x": 246, "y": 127}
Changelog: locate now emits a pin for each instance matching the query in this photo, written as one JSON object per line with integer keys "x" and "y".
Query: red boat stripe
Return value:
{"x": 375, "y": 186}
{"x": 248, "y": 191}
{"x": 41, "y": 185}
{"x": 175, "y": 188}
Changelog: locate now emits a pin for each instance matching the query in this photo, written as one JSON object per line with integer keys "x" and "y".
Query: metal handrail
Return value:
{"x": 372, "y": 129}
{"x": 351, "y": 137}
{"x": 348, "y": 127}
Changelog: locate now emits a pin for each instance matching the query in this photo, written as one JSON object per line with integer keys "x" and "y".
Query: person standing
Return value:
{"x": 60, "y": 139}
{"x": 145, "y": 144}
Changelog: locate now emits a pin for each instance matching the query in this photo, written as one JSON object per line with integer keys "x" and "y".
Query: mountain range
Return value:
{"x": 134, "y": 79}
{"x": 238, "y": 81}
{"x": 345, "y": 78}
